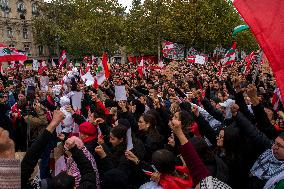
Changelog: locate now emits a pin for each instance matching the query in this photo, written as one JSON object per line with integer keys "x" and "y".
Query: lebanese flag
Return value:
{"x": 230, "y": 56}
{"x": 248, "y": 60}
{"x": 196, "y": 59}
{"x": 93, "y": 59}
{"x": 266, "y": 20}
{"x": 141, "y": 68}
{"x": 168, "y": 46}
{"x": 63, "y": 59}
{"x": 11, "y": 54}
{"x": 81, "y": 71}
{"x": 88, "y": 67}
{"x": 220, "y": 71}
{"x": 103, "y": 72}
{"x": 276, "y": 98}
{"x": 42, "y": 67}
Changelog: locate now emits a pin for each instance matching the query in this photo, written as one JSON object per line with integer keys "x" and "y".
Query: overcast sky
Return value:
{"x": 123, "y": 2}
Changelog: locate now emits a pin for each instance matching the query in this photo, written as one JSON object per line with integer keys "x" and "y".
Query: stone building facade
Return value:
{"x": 16, "y": 18}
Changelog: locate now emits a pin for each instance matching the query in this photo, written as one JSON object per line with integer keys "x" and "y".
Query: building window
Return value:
{"x": 5, "y": 6}
{"x": 21, "y": 7}
{"x": 25, "y": 33}
{"x": 9, "y": 32}
{"x": 35, "y": 11}
{"x": 5, "y": 3}
{"x": 40, "y": 50}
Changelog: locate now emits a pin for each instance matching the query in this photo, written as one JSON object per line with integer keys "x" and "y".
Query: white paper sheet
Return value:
{"x": 129, "y": 140}
{"x": 120, "y": 93}
{"x": 88, "y": 79}
{"x": 44, "y": 80}
{"x": 76, "y": 99}
{"x": 60, "y": 165}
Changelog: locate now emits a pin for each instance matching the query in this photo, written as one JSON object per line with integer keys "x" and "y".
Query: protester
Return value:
{"x": 187, "y": 128}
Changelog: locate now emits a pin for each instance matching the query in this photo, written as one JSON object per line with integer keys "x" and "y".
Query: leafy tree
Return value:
{"x": 81, "y": 27}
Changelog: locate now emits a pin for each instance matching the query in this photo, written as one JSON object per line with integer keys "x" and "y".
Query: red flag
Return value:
{"x": 62, "y": 59}
{"x": 43, "y": 67}
{"x": 141, "y": 68}
{"x": 266, "y": 20}
{"x": 105, "y": 65}
{"x": 248, "y": 60}
{"x": 276, "y": 99}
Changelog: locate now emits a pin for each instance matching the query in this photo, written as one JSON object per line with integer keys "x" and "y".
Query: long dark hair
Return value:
{"x": 164, "y": 161}
{"x": 120, "y": 133}
{"x": 232, "y": 143}
{"x": 186, "y": 120}
{"x": 152, "y": 131}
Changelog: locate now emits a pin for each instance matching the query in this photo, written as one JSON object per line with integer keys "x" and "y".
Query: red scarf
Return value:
{"x": 172, "y": 182}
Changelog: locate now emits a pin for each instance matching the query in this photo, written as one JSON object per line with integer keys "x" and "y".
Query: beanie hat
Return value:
{"x": 88, "y": 129}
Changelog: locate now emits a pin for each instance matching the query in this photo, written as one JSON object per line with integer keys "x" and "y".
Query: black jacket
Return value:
{"x": 32, "y": 156}
{"x": 88, "y": 176}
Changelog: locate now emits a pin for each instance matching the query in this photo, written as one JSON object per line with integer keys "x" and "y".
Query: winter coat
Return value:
{"x": 37, "y": 122}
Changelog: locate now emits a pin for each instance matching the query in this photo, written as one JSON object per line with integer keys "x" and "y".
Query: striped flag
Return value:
{"x": 248, "y": 59}
{"x": 42, "y": 67}
{"x": 276, "y": 99}
{"x": 141, "y": 68}
{"x": 230, "y": 56}
{"x": 196, "y": 59}
{"x": 62, "y": 59}
{"x": 220, "y": 72}
{"x": 102, "y": 71}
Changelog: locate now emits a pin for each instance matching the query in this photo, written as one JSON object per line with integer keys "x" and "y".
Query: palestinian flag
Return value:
{"x": 11, "y": 54}
{"x": 239, "y": 29}
{"x": 230, "y": 56}
{"x": 102, "y": 70}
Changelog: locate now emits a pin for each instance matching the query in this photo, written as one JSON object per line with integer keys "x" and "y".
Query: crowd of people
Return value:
{"x": 183, "y": 128}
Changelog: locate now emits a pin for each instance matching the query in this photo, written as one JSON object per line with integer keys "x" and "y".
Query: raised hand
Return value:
{"x": 195, "y": 110}
{"x": 234, "y": 109}
{"x": 58, "y": 116}
{"x": 252, "y": 93}
{"x": 100, "y": 151}
{"x": 7, "y": 146}
{"x": 132, "y": 157}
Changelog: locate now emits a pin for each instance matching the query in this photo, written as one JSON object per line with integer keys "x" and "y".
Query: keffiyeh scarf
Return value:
{"x": 267, "y": 166}
{"x": 213, "y": 183}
